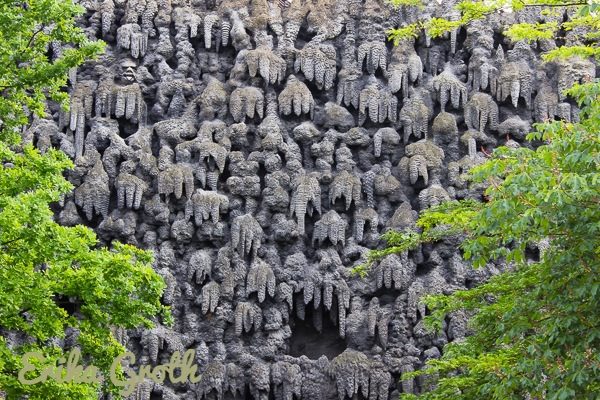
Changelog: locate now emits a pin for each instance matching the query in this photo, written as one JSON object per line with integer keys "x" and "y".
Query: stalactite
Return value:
{"x": 317, "y": 62}
{"x": 305, "y": 198}
{"x": 260, "y": 279}
{"x": 347, "y": 186}
{"x": 210, "y": 297}
{"x": 296, "y": 98}
{"x": 246, "y": 234}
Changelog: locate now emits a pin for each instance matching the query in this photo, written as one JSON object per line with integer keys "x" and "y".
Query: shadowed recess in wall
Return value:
{"x": 307, "y": 340}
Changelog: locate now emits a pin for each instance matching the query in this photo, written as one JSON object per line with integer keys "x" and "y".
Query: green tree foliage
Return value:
{"x": 39, "y": 43}
{"x": 586, "y": 14}
{"x": 55, "y": 281}
{"x": 536, "y": 327}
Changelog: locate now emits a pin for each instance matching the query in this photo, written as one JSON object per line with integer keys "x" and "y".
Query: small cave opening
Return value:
{"x": 425, "y": 268}
{"x": 126, "y": 127}
{"x": 66, "y": 303}
{"x": 461, "y": 38}
{"x": 533, "y": 253}
{"x": 309, "y": 223}
{"x": 155, "y": 395}
{"x": 307, "y": 341}
{"x": 386, "y": 295}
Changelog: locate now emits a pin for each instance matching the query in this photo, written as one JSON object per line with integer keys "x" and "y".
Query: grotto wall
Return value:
{"x": 260, "y": 148}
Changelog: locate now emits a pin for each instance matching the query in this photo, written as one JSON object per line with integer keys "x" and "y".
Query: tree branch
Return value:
{"x": 35, "y": 34}
{"x": 579, "y": 3}
{"x": 10, "y": 241}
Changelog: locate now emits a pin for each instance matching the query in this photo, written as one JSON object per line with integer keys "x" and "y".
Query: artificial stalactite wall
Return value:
{"x": 260, "y": 148}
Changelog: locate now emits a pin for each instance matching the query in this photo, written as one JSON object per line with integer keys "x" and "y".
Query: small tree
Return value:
{"x": 55, "y": 282}
{"x": 583, "y": 15}
{"x": 536, "y": 327}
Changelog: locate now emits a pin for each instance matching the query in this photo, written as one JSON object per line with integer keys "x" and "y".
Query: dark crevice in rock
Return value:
{"x": 306, "y": 340}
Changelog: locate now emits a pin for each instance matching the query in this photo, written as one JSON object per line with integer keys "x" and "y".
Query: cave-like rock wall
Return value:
{"x": 261, "y": 147}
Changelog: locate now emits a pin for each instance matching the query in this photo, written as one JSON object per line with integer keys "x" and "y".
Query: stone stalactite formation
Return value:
{"x": 260, "y": 148}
